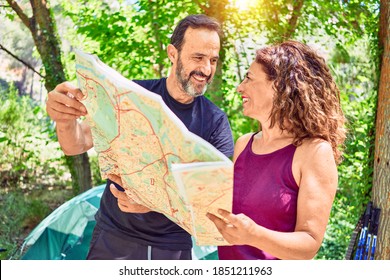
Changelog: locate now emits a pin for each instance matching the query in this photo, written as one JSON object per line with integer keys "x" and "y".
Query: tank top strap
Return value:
{"x": 249, "y": 145}
{"x": 290, "y": 148}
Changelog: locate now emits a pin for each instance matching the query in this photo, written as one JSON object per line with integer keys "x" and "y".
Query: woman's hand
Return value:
{"x": 235, "y": 229}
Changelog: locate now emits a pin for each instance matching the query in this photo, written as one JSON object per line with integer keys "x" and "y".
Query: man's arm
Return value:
{"x": 75, "y": 138}
{"x": 64, "y": 107}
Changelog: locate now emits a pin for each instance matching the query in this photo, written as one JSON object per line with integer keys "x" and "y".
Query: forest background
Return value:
{"x": 37, "y": 39}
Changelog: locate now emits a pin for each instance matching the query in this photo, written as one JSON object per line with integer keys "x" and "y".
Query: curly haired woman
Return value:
{"x": 285, "y": 176}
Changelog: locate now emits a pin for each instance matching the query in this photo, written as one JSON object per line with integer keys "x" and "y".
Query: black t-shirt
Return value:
{"x": 202, "y": 118}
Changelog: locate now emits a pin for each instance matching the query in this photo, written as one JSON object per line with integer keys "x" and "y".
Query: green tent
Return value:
{"x": 66, "y": 233}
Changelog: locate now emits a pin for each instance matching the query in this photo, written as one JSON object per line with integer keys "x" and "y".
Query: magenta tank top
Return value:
{"x": 264, "y": 190}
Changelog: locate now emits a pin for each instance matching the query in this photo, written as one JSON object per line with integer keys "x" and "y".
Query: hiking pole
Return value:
{"x": 363, "y": 234}
{"x": 367, "y": 249}
{"x": 354, "y": 239}
{"x": 375, "y": 231}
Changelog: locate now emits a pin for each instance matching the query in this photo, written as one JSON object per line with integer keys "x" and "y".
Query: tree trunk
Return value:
{"x": 43, "y": 30}
{"x": 293, "y": 21}
{"x": 381, "y": 181}
{"x": 217, "y": 10}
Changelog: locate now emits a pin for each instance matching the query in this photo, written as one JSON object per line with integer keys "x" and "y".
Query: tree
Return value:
{"x": 217, "y": 10}
{"x": 42, "y": 28}
{"x": 381, "y": 181}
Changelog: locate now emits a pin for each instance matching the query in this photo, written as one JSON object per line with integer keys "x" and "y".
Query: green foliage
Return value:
{"x": 356, "y": 76}
{"x": 132, "y": 39}
{"x": 28, "y": 148}
{"x": 95, "y": 170}
{"x": 355, "y": 177}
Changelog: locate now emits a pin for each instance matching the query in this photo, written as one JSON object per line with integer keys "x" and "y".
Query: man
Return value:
{"x": 124, "y": 229}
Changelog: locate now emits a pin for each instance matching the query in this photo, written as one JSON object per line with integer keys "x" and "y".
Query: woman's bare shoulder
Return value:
{"x": 244, "y": 139}
{"x": 241, "y": 143}
{"x": 315, "y": 149}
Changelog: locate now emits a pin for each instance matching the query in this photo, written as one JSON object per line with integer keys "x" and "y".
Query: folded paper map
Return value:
{"x": 163, "y": 166}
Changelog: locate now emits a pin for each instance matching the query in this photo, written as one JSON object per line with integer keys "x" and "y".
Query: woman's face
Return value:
{"x": 257, "y": 93}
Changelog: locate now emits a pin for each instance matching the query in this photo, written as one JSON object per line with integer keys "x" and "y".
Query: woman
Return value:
{"x": 285, "y": 177}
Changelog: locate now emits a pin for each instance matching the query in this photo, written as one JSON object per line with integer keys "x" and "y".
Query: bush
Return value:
{"x": 29, "y": 152}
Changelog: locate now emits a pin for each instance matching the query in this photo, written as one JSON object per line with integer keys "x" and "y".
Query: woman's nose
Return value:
{"x": 239, "y": 88}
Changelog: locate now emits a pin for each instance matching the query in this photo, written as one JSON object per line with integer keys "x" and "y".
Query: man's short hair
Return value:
{"x": 193, "y": 21}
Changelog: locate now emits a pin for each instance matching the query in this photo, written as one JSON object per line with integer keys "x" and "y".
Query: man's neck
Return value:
{"x": 176, "y": 92}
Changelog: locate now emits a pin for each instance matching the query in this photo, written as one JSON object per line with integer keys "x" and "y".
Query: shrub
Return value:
{"x": 29, "y": 152}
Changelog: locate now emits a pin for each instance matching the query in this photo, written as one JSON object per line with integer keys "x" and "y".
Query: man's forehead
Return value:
{"x": 201, "y": 38}
{"x": 196, "y": 34}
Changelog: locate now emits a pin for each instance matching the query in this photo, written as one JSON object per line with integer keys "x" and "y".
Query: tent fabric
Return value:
{"x": 66, "y": 233}
{"x": 56, "y": 245}
{"x": 76, "y": 212}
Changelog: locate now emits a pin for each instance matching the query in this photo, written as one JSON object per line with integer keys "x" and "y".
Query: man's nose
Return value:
{"x": 206, "y": 68}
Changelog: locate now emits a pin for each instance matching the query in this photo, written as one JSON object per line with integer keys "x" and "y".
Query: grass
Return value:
{"x": 21, "y": 211}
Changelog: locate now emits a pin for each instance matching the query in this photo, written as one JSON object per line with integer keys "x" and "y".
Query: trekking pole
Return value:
{"x": 363, "y": 234}
{"x": 375, "y": 232}
{"x": 354, "y": 239}
{"x": 367, "y": 247}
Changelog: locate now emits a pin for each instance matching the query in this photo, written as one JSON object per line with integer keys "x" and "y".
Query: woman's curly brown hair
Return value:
{"x": 307, "y": 100}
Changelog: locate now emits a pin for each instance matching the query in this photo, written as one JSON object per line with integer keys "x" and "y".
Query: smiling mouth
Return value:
{"x": 199, "y": 78}
{"x": 245, "y": 100}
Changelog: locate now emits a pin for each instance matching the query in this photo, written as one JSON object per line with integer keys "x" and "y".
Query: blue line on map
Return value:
{"x": 79, "y": 66}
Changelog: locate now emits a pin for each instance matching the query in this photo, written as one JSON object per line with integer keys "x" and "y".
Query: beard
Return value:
{"x": 187, "y": 84}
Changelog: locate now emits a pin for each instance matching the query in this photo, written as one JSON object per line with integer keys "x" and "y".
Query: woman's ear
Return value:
{"x": 172, "y": 53}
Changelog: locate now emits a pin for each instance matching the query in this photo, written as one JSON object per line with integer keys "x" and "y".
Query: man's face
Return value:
{"x": 197, "y": 60}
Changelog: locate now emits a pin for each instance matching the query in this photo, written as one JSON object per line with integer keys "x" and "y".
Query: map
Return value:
{"x": 162, "y": 165}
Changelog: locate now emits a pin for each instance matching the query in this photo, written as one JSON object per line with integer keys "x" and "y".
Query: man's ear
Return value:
{"x": 172, "y": 53}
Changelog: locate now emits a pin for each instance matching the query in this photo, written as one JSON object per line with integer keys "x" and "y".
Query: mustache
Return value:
{"x": 199, "y": 73}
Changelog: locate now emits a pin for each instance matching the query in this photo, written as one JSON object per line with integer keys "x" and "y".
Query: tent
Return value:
{"x": 66, "y": 233}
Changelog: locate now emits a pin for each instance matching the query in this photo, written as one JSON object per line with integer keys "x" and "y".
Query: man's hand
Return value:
{"x": 64, "y": 107}
{"x": 125, "y": 203}
{"x": 63, "y": 103}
